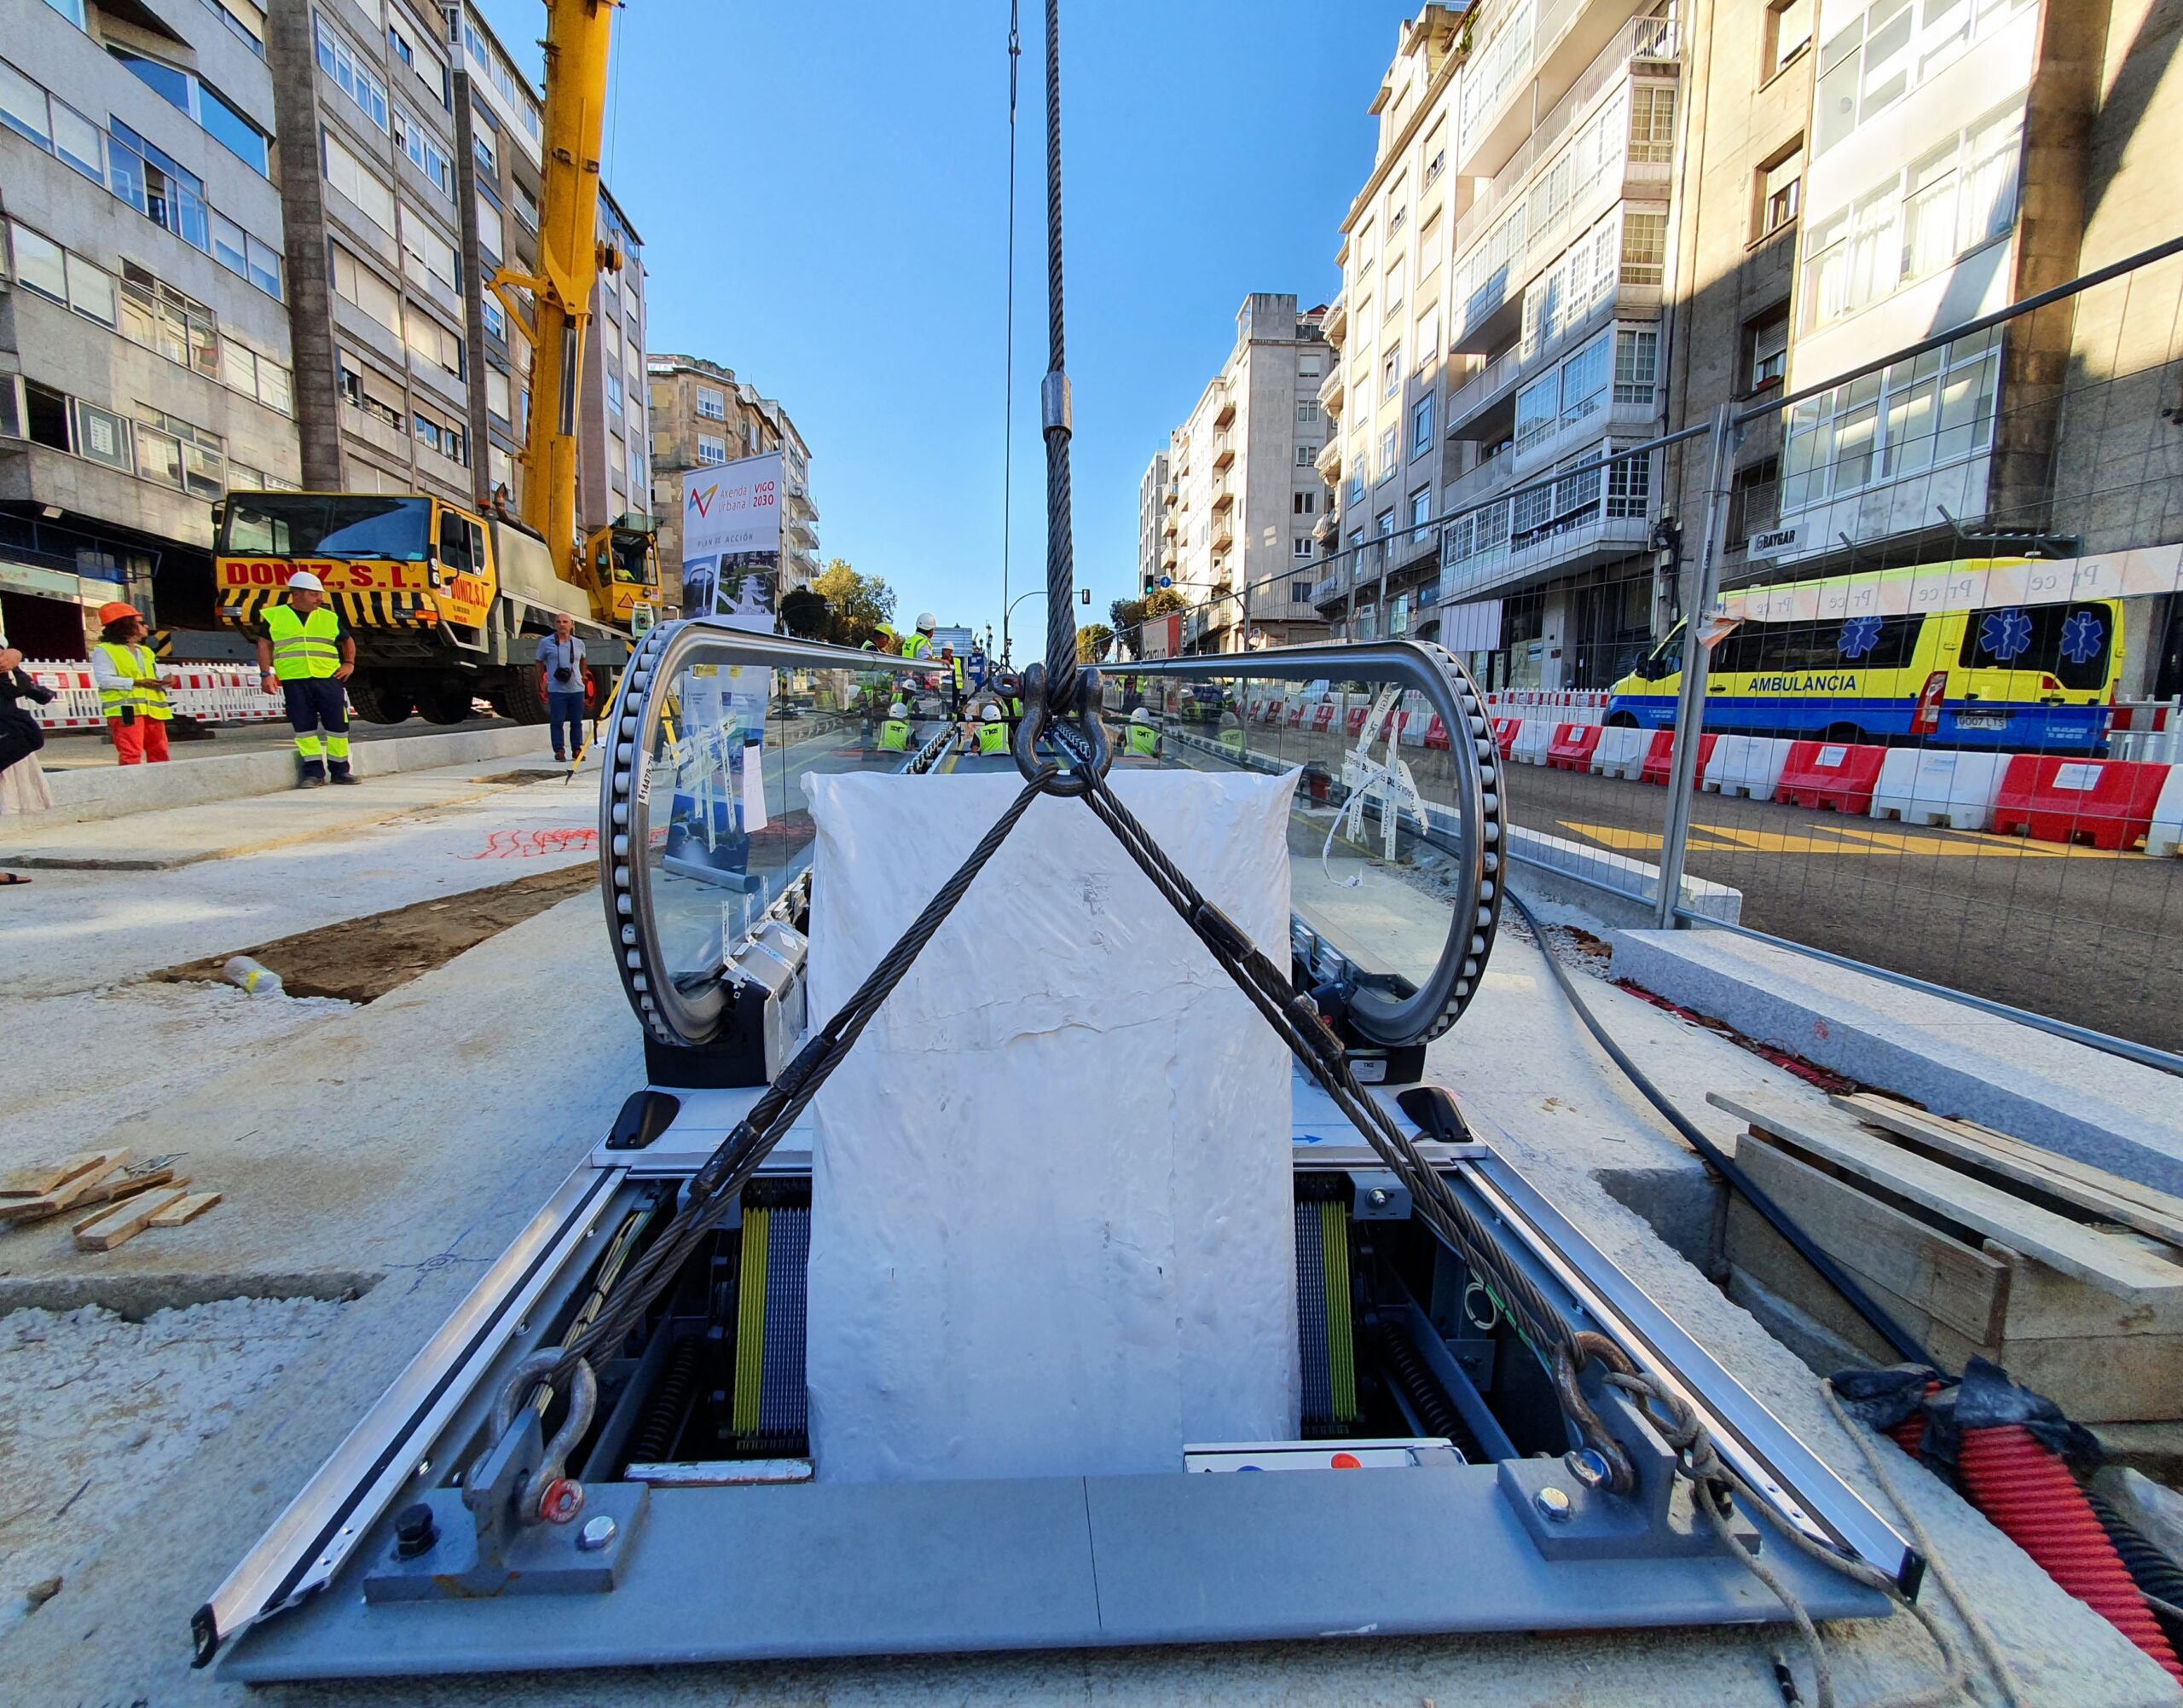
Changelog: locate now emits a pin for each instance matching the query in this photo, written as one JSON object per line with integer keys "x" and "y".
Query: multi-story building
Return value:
{"x": 284, "y": 283}
{"x": 1243, "y": 493}
{"x": 1513, "y": 342}
{"x": 702, "y": 415}
{"x": 145, "y": 356}
{"x": 1151, "y": 515}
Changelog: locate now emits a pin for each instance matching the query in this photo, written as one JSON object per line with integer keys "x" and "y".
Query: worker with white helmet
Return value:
{"x": 303, "y": 653}
{"x": 1141, "y": 738}
{"x": 920, "y": 645}
{"x": 993, "y": 730}
{"x": 895, "y": 734}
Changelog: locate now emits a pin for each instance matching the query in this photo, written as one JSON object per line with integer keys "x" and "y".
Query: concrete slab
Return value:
{"x": 163, "y": 840}
{"x": 82, "y": 792}
{"x": 412, "y": 1137}
{"x": 1953, "y": 1058}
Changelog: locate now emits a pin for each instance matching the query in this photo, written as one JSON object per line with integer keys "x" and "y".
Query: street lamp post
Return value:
{"x": 1007, "y": 657}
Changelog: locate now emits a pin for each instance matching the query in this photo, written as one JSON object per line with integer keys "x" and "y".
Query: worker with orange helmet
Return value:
{"x": 131, "y": 692}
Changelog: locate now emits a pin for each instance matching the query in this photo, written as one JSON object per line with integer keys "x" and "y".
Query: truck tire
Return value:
{"x": 380, "y": 699}
{"x": 520, "y": 698}
{"x": 446, "y": 704}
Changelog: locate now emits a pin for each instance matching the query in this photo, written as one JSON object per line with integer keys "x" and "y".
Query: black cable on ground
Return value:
{"x": 1778, "y": 1219}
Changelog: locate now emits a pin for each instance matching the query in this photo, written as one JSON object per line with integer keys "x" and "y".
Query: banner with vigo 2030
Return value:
{"x": 732, "y": 539}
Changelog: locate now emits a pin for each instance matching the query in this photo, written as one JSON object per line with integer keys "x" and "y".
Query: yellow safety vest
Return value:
{"x": 917, "y": 646}
{"x": 894, "y": 737}
{"x": 1143, "y": 740}
{"x": 146, "y": 700}
{"x": 992, "y": 738}
{"x": 305, "y": 648}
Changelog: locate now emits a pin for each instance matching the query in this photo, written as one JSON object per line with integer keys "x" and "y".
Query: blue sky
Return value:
{"x": 822, "y": 195}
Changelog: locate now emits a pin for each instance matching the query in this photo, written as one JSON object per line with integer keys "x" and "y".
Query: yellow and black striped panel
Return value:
{"x": 244, "y": 608}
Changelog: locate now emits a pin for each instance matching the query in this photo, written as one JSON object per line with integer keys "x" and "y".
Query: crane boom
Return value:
{"x": 569, "y": 261}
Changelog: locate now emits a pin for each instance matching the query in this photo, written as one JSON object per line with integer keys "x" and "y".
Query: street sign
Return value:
{"x": 1166, "y": 581}
{"x": 1774, "y": 542}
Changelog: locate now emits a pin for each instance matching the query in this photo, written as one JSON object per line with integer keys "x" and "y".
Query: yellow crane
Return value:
{"x": 445, "y": 602}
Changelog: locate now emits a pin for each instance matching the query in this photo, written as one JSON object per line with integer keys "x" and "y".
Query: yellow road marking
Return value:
{"x": 1833, "y": 839}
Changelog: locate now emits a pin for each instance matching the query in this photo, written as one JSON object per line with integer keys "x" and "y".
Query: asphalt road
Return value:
{"x": 2089, "y": 937}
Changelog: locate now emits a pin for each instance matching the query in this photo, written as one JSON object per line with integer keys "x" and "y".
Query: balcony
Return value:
{"x": 1552, "y": 528}
{"x": 1167, "y": 528}
{"x": 1336, "y": 323}
{"x": 1545, "y": 47}
{"x": 1223, "y": 531}
{"x": 1328, "y": 461}
{"x": 1490, "y": 384}
{"x": 1168, "y": 557}
{"x": 1223, "y": 450}
{"x": 1225, "y": 411}
{"x": 1174, "y": 494}
{"x": 1331, "y": 389}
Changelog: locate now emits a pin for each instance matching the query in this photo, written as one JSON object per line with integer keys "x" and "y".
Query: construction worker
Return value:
{"x": 1141, "y": 738}
{"x": 895, "y": 734}
{"x": 920, "y": 644}
{"x": 992, "y": 732}
{"x": 304, "y": 651}
{"x": 131, "y": 693}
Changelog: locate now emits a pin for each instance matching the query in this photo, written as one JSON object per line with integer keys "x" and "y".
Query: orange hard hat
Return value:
{"x": 113, "y": 611}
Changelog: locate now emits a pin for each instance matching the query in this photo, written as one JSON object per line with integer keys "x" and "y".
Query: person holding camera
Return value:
{"x": 561, "y": 674}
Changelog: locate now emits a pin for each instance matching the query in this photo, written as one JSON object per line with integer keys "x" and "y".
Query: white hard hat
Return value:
{"x": 1140, "y": 715}
{"x": 927, "y": 622}
{"x": 304, "y": 582}
{"x": 993, "y": 714}
{"x": 898, "y": 710}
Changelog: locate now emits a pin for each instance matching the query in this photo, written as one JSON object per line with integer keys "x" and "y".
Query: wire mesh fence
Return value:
{"x": 1939, "y": 730}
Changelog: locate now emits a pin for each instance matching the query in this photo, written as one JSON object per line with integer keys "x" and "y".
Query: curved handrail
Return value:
{"x": 1475, "y": 910}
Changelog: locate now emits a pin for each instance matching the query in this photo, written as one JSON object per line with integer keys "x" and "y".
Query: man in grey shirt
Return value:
{"x": 560, "y": 678}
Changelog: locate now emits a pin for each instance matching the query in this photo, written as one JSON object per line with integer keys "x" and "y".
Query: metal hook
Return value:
{"x": 1584, "y": 1346}
{"x": 547, "y": 1496}
{"x": 1097, "y": 753}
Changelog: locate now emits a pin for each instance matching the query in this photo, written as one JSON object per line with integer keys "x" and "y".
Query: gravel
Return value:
{"x": 103, "y": 1412}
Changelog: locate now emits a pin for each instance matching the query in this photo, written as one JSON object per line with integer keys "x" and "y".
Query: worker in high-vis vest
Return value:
{"x": 993, "y": 733}
{"x": 305, "y": 656}
{"x": 895, "y": 734}
{"x": 919, "y": 645}
{"x": 1141, "y": 739}
{"x": 131, "y": 693}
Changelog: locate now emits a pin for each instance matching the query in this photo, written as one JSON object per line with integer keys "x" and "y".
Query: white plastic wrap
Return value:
{"x": 1052, "y": 1227}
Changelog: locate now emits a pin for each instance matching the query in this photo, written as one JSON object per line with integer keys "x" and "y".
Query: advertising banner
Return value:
{"x": 732, "y": 541}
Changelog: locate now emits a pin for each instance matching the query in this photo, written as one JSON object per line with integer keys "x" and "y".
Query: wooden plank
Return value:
{"x": 2046, "y": 1304}
{"x": 2095, "y": 1382}
{"x": 61, "y": 1196}
{"x": 2107, "y": 1197}
{"x": 37, "y": 1180}
{"x": 1936, "y": 1274}
{"x": 187, "y": 1209}
{"x": 1759, "y": 1255}
{"x": 124, "y": 1184}
{"x": 126, "y": 1220}
{"x": 2116, "y": 1266}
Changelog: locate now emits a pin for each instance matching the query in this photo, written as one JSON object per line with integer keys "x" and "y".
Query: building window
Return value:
{"x": 341, "y": 63}
{"x": 1652, "y": 123}
{"x": 711, "y": 450}
{"x": 424, "y": 153}
{"x": 1780, "y": 191}
{"x": 1300, "y": 548}
{"x": 1644, "y": 247}
{"x": 432, "y": 344}
{"x": 1303, "y": 503}
{"x": 364, "y": 389}
{"x": 1421, "y": 425}
{"x": 364, "y": 190}
{"x": 1890, "y": 49}
{"x": 437, "y": 433}
{"x": 1636, "y": 365}
{"x": 40, "y": 263}
{"x": 492, "y": 231}
{"x": 1436, "y": 166}
{"x": 1788, "y": 32}
{"x": 1538, "y": 409}
{"x": 482, "y": 151}
{"x": 430, "y": 70}
{"x": 1387, "y": 465}
{"x": 1922, "y": 413}
{"x": 1307, "y": 456}
{"x": 613, "y": 391}
{"x": 1751, "y": 495}
{"x": 1420, "y": 512}
{"x": 429, "y": 258}
{"x": 498, "y": 400}
{"x": 1307, "y": 410}
{"x": 496, "y": 320}
{"x": 355, "y": 284}
{"x": 1383, "y": 525}
{"x": 712, "y": 405}
{"x": 1629, "y": 486}
{"x": 1766, "y": 349}
{"x": 1390, "y": 372}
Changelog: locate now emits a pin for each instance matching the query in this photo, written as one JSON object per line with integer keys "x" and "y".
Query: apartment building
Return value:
{"x": 702, "y": 416}
{"x": 1243, "y": 493}
{"x": 1152, "y": 514}
{"x": 145, "y": 354}
{"x": 1504, "y": 273}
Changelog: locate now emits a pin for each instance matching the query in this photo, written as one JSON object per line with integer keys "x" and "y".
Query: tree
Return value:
{"x": 1092, "y": 640}
{"x": 1125, "y": 614}
{"x": 1161, "y": 600}
{"x": 805, "y": 613}
{"x": 857, "y": 606}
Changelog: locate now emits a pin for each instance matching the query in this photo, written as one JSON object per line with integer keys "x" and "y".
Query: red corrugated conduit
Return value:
{"x": 2030, "y": 1495}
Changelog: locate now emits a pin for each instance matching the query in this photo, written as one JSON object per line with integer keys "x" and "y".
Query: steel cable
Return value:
{"x": 1060, "y": 571}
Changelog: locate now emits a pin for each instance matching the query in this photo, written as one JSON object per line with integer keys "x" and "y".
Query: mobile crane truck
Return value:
{"x": 444, "y": 602}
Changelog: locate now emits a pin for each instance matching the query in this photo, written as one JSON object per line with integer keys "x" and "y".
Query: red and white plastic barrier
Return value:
{"x": 2108, "y": 803}
{"x": 211, "y": 693}
{"x": 1552, "y": 705}
{"x": 1573, "y": 746}
{"x": 1834, "y": 776}
{"x": 1953, "y": 787}
{"x": 1747, "y": 765}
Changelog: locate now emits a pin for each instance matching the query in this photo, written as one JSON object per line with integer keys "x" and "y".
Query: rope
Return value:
{"x": 1060, "y": 571}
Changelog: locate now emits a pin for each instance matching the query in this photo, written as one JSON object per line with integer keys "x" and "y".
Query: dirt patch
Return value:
{"x": 360, "y": 959}
{"x": 550, "y": 773}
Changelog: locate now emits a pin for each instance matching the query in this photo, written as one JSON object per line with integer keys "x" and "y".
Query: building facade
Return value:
{"x": 1243, "y": 495}
{"x": 703, "y": 416}
{"x": 1151, "y": 516}
{"x": 145, "y": 356}
{"x": 301, "y": 209}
